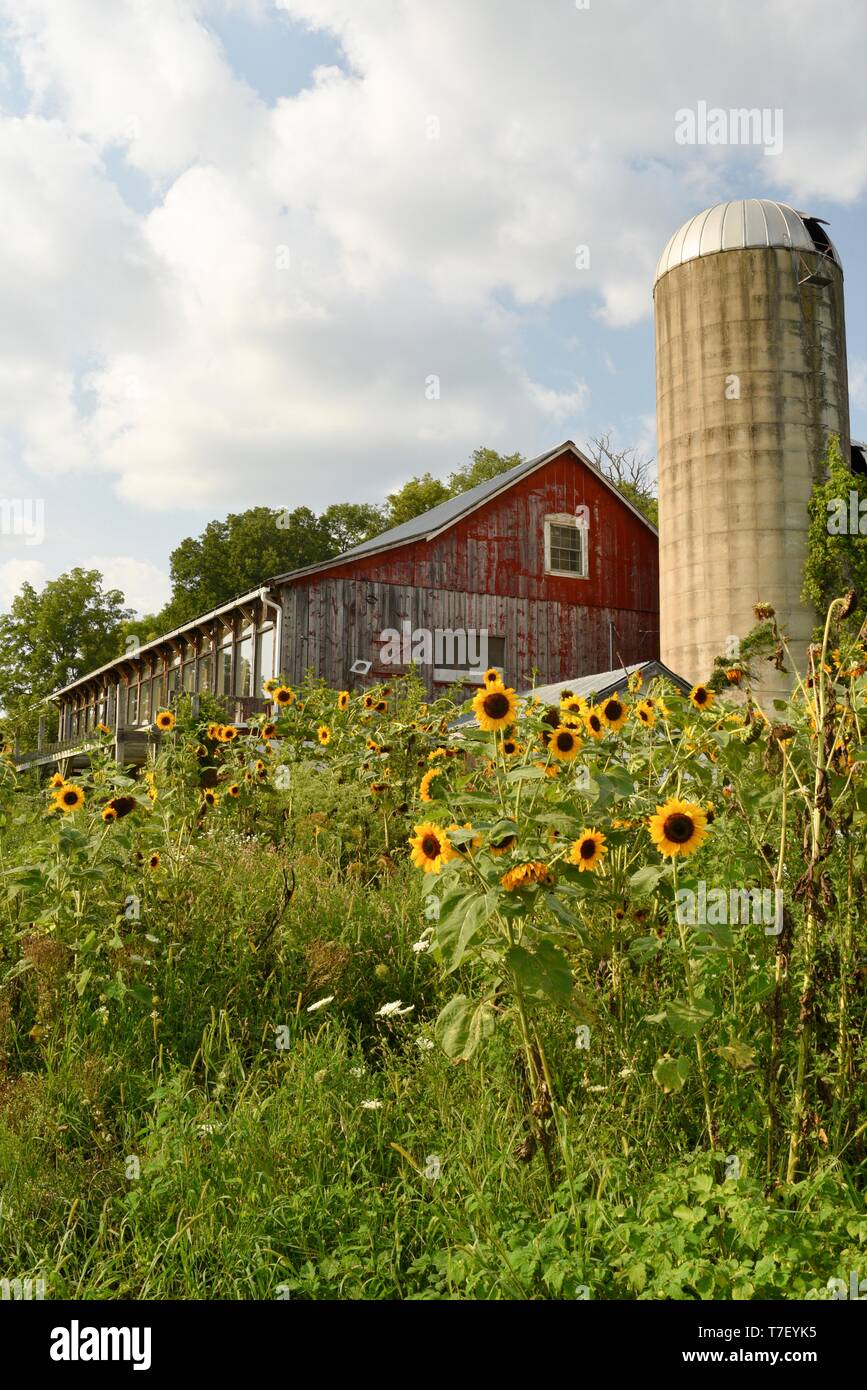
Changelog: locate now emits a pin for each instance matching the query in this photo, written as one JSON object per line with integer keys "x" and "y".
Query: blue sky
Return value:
{"x": 244, "y": 234}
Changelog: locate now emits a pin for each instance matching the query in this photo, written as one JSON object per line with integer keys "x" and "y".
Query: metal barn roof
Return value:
{"x": 605, "y": 683}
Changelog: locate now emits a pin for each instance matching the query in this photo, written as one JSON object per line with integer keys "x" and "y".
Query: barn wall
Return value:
{"x": 331, "y": 622}
{"x": 501, "y": 547}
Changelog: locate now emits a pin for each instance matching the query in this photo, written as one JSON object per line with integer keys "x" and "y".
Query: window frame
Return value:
{"x": 575, "y": 523}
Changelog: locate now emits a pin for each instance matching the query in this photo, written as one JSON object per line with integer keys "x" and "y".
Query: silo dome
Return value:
{"x": 741, "y": 224}
{"x": 751, "y": 381}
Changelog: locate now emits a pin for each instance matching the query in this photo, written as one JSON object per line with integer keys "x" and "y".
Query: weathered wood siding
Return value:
{"x": 488, "y": 571}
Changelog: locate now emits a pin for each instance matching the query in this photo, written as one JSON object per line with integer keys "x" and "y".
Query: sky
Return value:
{"x": 293, "y": 252}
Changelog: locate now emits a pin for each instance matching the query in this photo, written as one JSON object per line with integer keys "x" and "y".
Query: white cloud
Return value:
{"x": 145, "y": 587}
{"x": 175, "y": 352}
{"x": 14, "y": 573}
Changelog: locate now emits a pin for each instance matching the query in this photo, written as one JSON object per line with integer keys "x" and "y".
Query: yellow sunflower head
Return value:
{"x": 564, "y": 744}
{"x": 701, "y": 697}
{"x": 56, "y": 781}
{"x": 68, "y": 797}
{"x": 492, "y": 676}
{"x": 211, "y": 798}
{"x": 532, "y": 875}
{"x": 634, "y": 682}
{"x": 614, "y": 712}
{"x": 512, "y": 748}
{"x": 228, "y": 733}
{"x": 268, "y": 730}
{"x": 165, "y": 720}
{"x": 103, "y": 728}
{"x": 343, "y": 700}
{"x": 283, "y": 696}
{"x": 645, "y": 713}
{"x": 495, "y": 708}
{"x": 424, "y": 788}
{"x": 233, "y": 790}
{"x": 678, "y": 828}
{"x": 588, "y": 850}
{"x": 109, "y": 814}
{"x": 270, "y": 686}
{"x": 154, "y": 861}
{"x": 323, "y": 733}
{"x": 213, "y": 731}
{"x": 431, "y": 847}
{"x": 594, "y": 723}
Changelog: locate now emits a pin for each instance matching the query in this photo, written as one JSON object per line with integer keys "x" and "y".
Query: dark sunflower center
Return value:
{"x": 613, "y": 709}
{"x": 700, "y": 697}
{"x": 678, "y": 828}
{"x": 70, "y": 798}
{"x": 595, "y": 723}
{"x": 431, "y": 847}
{"x": 496, "y": 705}
{"x": 588, "y": 849}
{"x": 506, "y": 842}
{"x": 565, "y": 742}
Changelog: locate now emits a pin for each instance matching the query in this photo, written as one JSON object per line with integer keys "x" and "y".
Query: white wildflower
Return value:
{"x": 422, "y": 945}
{"x": 371, "y": 1105}
{"x": 320, "y": 1004}
{"x": 426, "y": 1044}
{"x": 394, "y": 1010}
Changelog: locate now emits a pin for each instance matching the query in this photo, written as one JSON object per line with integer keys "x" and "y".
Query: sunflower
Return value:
{"x": 283, "y": 696}
{"x": 614, "y": 712}
{"x": 213, "y": 731}
{"x": 102, "y": 728}
{"x": 564, "y": 744}
{"x": 122, "y": 805}
{"x": 678, "y": 827}
{"x": 431, "y": 847}
{"x": 495, "y": 708}
{"x": 323, "y": 733}
{"x": 527, "y": 876}
{"x": 588, "y": 850}
{"x": 466, "y": 846}
{"x": 233, "y": 790}
{"x": 109, "y": 814}
{"x": 68, "y": 797}
{"x": 152, "y": 793}
{"x": 260, "y": 768}
{"x": 377, "y": 788}
{"x": 734, "y": 675}
{"x": 270, "y": 686}
{"x": 57, "y": 780}
{"x": 165, "y": 720}
{"x": 368, "y": 702}
{"x": 634, "y": 682}
{"x": 492, "y": 676}
{"x": 381, "y": 706}
{"x": 424, "y": 788}
{"x": 343, "y": 700}
{"x": 644, "y": 713}
{"x": 701, "y": 697}
{"x": 573, "y": 709}
{"x": 594, "y": 723}
{"x": 512, "y": 748}
{"x": 268, "y": 730}
{"x": 154, "y": 861}
{"x": 503, "y": 843}
{"x": 211, "y": 798}
{"x": 228, "y": 733}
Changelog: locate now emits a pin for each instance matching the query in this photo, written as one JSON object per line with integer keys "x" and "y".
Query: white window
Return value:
{"x": 566, "y": 545}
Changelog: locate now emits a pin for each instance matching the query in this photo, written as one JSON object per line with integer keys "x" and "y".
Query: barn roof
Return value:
{"x": 431, "y": 523}
{"x": 605, "y": 683}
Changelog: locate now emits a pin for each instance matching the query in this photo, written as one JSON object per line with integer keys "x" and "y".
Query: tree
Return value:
{"x": 836, "y": 544}
{"x": 237, "y": 554}
{"x": 48, "y": 638}
{"x": 632, "y": 475}
{"x": 420, "y": 494}
{"x": 349, "y": 523}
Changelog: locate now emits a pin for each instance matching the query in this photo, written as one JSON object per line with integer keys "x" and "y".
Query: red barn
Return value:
{"x": 546, "y": 572}
{"x": 549, "y": 559}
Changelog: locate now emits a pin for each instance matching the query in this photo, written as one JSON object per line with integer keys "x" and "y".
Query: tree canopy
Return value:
{"x": 48, "y": 638}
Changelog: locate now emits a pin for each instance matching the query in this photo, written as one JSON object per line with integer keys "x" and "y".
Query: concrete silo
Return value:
{"x": 751, "y": 380}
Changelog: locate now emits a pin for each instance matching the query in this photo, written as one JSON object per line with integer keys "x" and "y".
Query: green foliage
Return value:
{"x": 837, "y": 552}
{"x": 48, "y": 637}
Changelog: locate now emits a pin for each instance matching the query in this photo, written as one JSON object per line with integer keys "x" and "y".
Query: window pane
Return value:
{"x": 244, "y": 667}
{"x": 224, "y": 669}
{"x": 132, "y": 704}
{"x": 189, "y": 675}
{"x": 144, "y": 713}
{"x": 566, "y": 549}
{"x": 264, "y": 658}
